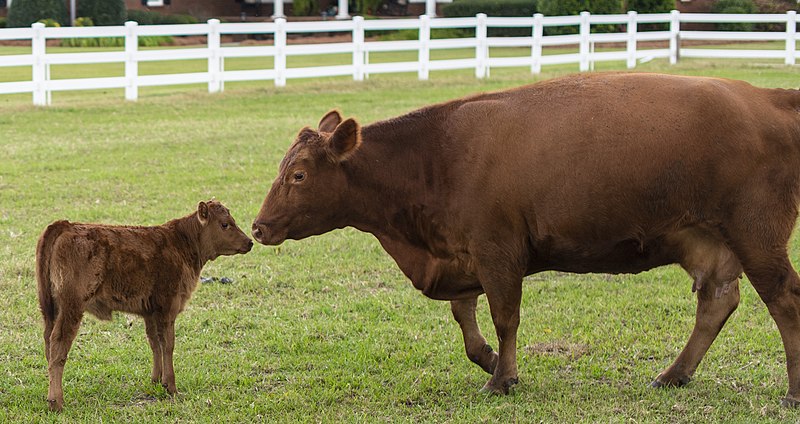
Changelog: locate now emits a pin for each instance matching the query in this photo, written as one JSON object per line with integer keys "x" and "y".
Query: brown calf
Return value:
{"x": 148, "y": 271}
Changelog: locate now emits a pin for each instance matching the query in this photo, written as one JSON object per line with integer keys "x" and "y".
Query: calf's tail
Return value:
{"x": 44, "y": 251}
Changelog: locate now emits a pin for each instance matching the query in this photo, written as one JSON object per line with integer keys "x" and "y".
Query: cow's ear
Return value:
{"x": 202, "y": 213}
{"x": 345, "y": 139}
{"x": 329, "y": 122}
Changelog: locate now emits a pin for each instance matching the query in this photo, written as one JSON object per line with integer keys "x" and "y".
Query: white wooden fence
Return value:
{"x": 41, "y": 85}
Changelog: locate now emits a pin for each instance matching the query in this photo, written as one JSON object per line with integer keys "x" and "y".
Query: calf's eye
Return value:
{"x": 224, "y": 225}
{"x": 299, "y": 176}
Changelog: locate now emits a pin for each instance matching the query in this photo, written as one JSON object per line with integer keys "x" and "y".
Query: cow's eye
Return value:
{"x": 299, "y": 176}
{"x": 224, "y": 225}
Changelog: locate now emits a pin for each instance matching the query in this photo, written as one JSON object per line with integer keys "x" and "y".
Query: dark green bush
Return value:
{"x": 3, "y": 22}
{"x": 650, "y": 6}
{"x": 305, "y": 8}
{"x": 146, "y": 17}
{"x": 23, "y": 13}
{"x": 735, "y": 6}
{"x": 575, "y": 7}
{"x": 103, "y": 12}
{"x": 464, "y": 8}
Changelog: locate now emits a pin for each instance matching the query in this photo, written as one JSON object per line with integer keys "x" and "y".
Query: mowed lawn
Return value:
{"x": 328, "y": 329}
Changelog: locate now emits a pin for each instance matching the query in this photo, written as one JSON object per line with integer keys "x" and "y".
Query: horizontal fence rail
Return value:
{"x": 41, "y": 85}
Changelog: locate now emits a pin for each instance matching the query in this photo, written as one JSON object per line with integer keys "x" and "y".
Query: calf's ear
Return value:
{"x": 329, "y": 122}
{"x": 202, "y": 213}
{"x": 345, "y": 139}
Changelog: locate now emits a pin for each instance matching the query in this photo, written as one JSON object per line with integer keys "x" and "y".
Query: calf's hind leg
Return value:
{"x": 65, "y": 328}
{"x": 478, "y": 351}
{"x": 715, "y": 303}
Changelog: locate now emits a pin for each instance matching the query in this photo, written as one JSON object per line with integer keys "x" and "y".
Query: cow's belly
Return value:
{"x": 622, "y": 257}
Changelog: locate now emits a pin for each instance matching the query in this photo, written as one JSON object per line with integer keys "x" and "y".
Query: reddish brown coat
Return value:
{"x": 148, "y": 271}
{"x": 615, "y": 173}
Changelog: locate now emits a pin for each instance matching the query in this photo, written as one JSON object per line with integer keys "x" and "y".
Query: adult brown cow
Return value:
{"x": 148, "y": 271}
{"x": 612, "y": 173}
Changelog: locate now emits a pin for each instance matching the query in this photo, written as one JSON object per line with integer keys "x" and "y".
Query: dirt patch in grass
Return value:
{"x": 561, "y": 349}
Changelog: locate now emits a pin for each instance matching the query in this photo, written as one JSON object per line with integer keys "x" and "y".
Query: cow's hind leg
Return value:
{"x": 151, "y": 328}
{"x": 65, "y": 328}
{"x": 778, "y": 285}
{"x": 478, "y": 351}
{"x": 715, "y": 303}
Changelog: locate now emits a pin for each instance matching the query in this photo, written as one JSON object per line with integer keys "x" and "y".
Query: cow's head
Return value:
{"x": 219, "y": 234}
{"x": 306, "y": 197}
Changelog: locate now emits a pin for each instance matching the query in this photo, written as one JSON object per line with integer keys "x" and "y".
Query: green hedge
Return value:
{"x": 463, "y": 8}
{"x": 735, "y": 6}
{"x": 575, "y": 7}
{"x": 103, "y": 12}
{"x": 23, "y": 13}
{"x": 146, "y": 17}
{"x": 650, "y": 6}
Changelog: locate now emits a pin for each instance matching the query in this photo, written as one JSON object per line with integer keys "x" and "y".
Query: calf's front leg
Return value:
{"x": 151, "y": 328}
{"x": 166, "y": 336}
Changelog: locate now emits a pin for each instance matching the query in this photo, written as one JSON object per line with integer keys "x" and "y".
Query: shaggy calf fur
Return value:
{"x": 148, "y": 271}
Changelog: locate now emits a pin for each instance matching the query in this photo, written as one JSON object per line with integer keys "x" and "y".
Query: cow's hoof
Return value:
{"x": 661, "y": 382}
{"x": 790, "y": 402}
{"x": 502, "y": 389}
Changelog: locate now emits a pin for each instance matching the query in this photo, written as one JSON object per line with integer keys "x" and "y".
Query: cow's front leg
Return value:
{"x": 478, "y": 351}
{"x": 716, "y": 301}
{"x": 504, "y": 298}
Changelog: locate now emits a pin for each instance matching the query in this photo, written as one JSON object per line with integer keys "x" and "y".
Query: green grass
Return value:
{"x": 327, "y": 329}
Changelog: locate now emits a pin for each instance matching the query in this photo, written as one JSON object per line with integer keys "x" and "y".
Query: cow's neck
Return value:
{"x": 392, "y": 191}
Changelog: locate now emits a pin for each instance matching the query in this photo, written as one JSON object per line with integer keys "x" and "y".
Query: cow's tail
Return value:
{"x": 44, "y": 252}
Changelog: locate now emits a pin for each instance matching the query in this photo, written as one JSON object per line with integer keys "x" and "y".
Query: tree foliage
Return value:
{"x": 103, "y": 12}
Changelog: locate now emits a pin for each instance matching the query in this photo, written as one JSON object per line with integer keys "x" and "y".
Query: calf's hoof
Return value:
{"x": 55, "y": 405}
{"x": 790, "y": 402}
{"x": 503, "y": 388}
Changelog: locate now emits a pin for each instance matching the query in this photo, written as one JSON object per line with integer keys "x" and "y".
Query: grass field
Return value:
{"x": 327, "y": 329}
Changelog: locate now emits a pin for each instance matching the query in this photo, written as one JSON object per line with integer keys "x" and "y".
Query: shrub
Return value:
{"x": 735, "y": 6}
{"x": 3, "y": 22}
{"x": 305, "y": 7}
{"x": 103, "y": 12}
{"x": 23, "y": 13}
{"x": 50, "y": 23}
{"x": 650, "y": 6}
{"x": 575, "y": 7}
{"x": 462, "y": 8}
{"x": 146, "y": 17}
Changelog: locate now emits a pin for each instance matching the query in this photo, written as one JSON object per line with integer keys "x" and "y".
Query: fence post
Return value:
{"x": 280, "y": 52}
{"x": 39, "y": 67}
{"x": 424, "y": 57}
{"x": 481, "y": 51}
{"x": 131, "y": 65}
{"x": 791, "y": 32}
{"x": 214, "y": 76}
{"x": 343, "y": 13}
{"x": 631, "y": 39}
{"x": 358, "y": 48}
{"x": 675, "y": 37}
{"x": 536, "y": 47}
{"x": 585, "y": 29}
{"x": 430, "y": 8}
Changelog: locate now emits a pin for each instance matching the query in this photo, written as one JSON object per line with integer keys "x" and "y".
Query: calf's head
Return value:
{"x": 306, "y": 197}
{"x": 219, "y": 234}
